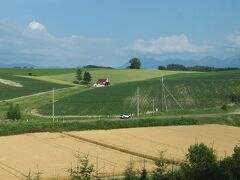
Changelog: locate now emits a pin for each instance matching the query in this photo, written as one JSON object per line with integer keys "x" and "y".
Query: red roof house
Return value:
{"x": 101, "y": 82}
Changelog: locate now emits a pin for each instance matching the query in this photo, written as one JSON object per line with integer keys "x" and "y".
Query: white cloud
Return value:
{"x": 168, "y": 44}
{"x": 34, "y": 44}
{"x": 34, "y": 25}
{"x": 234, "y": 39}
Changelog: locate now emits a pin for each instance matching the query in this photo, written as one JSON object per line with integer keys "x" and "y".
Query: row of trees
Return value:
{"x": 201, "y": 164}
{"x": 81, "y": 77}
{"x": 180, "y": 67}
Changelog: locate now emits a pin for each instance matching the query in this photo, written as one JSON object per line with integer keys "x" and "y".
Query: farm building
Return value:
{"x": 101, "y": 83}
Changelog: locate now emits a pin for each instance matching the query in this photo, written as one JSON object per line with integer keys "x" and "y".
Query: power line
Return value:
{"x": 53, "y": 107}
{"x": 138, "y": 101}
{"x": 165, "y": 94}
{"x": 153, "y": 105}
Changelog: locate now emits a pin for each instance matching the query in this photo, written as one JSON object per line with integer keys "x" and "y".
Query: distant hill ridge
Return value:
{"x": 151, "y": 63}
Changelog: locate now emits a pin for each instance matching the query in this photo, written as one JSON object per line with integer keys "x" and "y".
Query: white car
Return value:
{"x": 125, "y": 116}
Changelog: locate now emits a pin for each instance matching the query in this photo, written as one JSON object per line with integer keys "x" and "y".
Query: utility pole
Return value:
{"x": 53, "y": 107}
{"x": 138, "y": 101}
{"x": 153, "y": 105}
{"x": 164, "y": 98}
{"x": 165, "y": 92}
{"x": 162, "y": 94}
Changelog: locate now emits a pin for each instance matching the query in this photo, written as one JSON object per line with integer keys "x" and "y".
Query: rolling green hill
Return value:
{"x": 199, "y": 90}
{"x": 116, "y": 76}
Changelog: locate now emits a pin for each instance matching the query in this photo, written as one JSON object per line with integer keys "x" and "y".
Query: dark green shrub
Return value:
{"x": 14, "y": 112}
{"x": 201, "y": 163}
{"x": 224, "y": 107}
{"x": 83, "y": 169}
{"x": 130, "y": 172}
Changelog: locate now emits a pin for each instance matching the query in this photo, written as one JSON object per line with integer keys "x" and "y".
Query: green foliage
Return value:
{"x": 224, "y": 107}
{"x": 235, "y": 98}
{"x": 135, "y": 63}
{"x": 161, "y": 68}
{"x": 14, "y": 112}
{"x": 143, "y": 174}
{"x": 176, "y": 67}
{"x": 161, "y": 167}
{"x": 98, "y": 67}
{"x": 236, "y": 154}
{"x": 79, "y": 76}
{"x": 201, "y": 163}
{"x": 201, "y": 68}
{"x": 33, "y": 176}
{"x": 10, "y": 111}
{"x": 180, "y": 67}
{"x": 130, "y": 172}
{"x": 200, "y": 154}
{"x": 83, "y": 169}
{"x": 87, "y": 77}
{"x": 230, "y": 166}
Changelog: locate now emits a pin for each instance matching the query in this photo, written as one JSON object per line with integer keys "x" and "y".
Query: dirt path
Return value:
{"x": 10, "y": 83}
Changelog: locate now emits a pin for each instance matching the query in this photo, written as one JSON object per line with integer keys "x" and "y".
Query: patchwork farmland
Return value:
{"x": 79, "y": 108}
{"x": 199, "y": 90}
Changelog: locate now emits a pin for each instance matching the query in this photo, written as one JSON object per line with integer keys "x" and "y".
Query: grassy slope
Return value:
{"x": 67, "y": 75}
{"x": 200, "y": 90}
{"x": 116, "y": 76}
{"x": 32, "y": 102}
{"x": 51, "y": 80}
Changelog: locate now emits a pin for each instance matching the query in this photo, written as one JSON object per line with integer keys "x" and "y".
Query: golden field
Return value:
{"x": 53, "y": 153}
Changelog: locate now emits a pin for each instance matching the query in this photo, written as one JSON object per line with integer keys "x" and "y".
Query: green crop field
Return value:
{"x": 30, "y": 86}
{"x": 198, "y": 90}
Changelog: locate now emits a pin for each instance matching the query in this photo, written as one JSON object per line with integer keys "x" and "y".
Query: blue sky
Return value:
{"x": 110, "y": 32}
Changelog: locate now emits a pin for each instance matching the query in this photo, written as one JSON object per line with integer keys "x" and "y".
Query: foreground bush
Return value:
{"x": 200, "y": 164}
{"x": 83, "y": 169}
